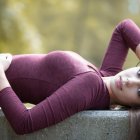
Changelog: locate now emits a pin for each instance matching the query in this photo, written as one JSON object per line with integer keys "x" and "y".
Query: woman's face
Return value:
{"x": 125, "y": 86}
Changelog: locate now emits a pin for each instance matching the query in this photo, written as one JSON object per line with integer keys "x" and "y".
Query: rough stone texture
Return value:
{"x": 86, "y": 125}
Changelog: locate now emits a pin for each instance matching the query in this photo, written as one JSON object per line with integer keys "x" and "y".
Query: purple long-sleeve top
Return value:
{"x": 62, "y": 83}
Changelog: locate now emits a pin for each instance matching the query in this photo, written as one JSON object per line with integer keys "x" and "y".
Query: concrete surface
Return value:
{"x": 86, "y": 125}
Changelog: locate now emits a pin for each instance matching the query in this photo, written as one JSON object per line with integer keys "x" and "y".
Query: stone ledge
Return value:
{"x": 86, "y": 125}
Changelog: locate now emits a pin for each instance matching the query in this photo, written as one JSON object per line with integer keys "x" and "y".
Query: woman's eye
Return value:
{"x": 138, "y": 92}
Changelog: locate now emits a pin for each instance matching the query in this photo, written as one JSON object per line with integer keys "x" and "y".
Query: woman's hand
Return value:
{"x": 138, "y": 51}
{"x": 5, "y": 61}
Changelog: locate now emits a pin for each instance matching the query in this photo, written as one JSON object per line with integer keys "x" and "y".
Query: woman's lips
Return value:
{"x": 118, "y": 83}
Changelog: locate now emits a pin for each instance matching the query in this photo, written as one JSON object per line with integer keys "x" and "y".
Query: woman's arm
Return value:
{"x": 126, "y": 35}
{"x": 64, "y": 102}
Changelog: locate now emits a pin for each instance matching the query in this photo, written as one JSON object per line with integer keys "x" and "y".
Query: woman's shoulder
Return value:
{"x": 91, "y": 78}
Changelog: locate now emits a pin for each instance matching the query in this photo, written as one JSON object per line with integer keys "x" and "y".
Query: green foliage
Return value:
{"x": 83, "y": 26}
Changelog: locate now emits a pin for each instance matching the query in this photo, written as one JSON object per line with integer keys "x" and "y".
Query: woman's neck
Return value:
{"x": 107, "y": 83}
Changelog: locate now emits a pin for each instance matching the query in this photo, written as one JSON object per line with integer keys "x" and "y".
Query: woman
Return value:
{"x": 62, "y": 83}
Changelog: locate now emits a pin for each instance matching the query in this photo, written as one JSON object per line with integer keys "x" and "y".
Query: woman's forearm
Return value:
{"x": 130, "y": 32}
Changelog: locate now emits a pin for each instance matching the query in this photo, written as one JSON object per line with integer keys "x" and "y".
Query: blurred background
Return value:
{"x": 83, "y": 26}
